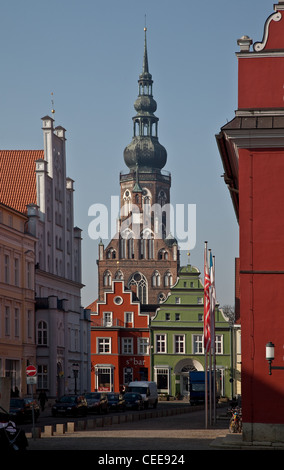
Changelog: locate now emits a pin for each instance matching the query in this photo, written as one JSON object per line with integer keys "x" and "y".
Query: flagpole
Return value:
{"x": 206, "y": 327}
{"x": 214, "y": 340}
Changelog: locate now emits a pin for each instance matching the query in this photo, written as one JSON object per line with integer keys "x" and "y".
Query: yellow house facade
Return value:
{"x": 17, "y": 298}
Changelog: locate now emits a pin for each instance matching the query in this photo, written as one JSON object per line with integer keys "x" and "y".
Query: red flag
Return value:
{"x": 207, "y": 331}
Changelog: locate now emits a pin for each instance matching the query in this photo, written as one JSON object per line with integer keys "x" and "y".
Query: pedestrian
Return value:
{"x": 42, "y": 399}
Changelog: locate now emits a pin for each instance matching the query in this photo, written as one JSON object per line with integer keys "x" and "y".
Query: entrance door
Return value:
{"x": 184, "y": 384}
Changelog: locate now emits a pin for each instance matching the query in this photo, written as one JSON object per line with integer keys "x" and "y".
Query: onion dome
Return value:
{"x": 144, "y": 151}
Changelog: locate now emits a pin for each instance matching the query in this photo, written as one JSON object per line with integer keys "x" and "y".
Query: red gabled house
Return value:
{"x": 120, "y": 349}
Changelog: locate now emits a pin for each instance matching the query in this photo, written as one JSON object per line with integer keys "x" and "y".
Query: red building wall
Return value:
{"x": 261, "y": 174}
{"x": 117, "y": 302}
{"x": 252, "y": 151}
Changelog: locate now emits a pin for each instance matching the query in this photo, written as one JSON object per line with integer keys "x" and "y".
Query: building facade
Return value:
{"x": 17, "y": 298}
{"x": 177, "y": 337}
{"x": 143, "y": 252}
{"x": 252, "y": 151}
{"x": 36, "y": 184}
{"x": 119, "y": 340}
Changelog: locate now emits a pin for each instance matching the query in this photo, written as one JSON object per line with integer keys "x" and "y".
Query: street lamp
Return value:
{"x": 270, "y": 357}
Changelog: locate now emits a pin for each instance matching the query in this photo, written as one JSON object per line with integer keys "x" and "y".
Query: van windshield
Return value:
{"x": 142, "y": 390}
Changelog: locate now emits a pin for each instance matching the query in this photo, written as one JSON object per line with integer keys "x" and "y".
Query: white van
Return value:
{"x": 148, "y": 391}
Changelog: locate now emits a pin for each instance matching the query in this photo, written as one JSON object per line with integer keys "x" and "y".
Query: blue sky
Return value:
{"x": 89, "y": 55}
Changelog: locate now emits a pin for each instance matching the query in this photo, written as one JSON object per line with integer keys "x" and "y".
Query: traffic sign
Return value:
{"x": 31, "y": 371}
{"x": 31, "y": 380}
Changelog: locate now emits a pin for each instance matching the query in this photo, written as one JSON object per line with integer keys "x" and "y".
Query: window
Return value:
{"x": 107, "y": 278}
{"x": 29, "y": 275}
{"x": 107, "y": 318}
{"x": 104, "y": 345}
{"x": 17, "y": 322}
{"x": 168, "y": 279}
{"x": 104, "y": 378}
{"x": 128, "y": 318}
{"x": 16, "y": 272}
{"x": 156, "y": 279}
{"x": 118, "y": 300}
{"x": 177, "y": 300}
{"x": 139, "y": 280}
{"x": 127, "y": 375}
{"x": 30, "y": 324}
{"x": 219, "y": 344}
{"x": 7, "y": 269}
{"x": 42, "y": 333}
{"x": 200, "y": 300}
{"x": 179, "y": 346}
{"x": 167, "y": 316}
{"x": 42, "y": 376}
{"x": 143, "y": 346}
{"x": 161, "y": 344}
{"x": 200, "y": 317}
{"x": 127, "y": 345}
{"x": 197, "y": 344}
{"x": 7, "y": 321}
{"x": 177, "y": 316}
{"x": 162, "y": 378}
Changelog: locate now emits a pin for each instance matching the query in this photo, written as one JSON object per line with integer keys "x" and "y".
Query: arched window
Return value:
{"x": 163, "y": 254}
{"x": 111, "y": 254}
{"x": 119, "y": 275}
{"x": 107, "y": 278}
{"x": 139, "y": 280}
{"x": 168, "y": 279}
{"x": 147, "y": 244}
{"x": 42, "y": 333}
{"x": 156, "y": 279}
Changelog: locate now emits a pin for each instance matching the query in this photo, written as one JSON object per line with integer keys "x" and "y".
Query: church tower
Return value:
{"x": 143, "y": 252}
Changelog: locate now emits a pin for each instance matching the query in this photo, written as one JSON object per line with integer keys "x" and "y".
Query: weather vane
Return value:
{"x": 52, "y": 103}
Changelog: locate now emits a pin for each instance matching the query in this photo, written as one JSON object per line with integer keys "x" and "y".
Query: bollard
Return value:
{"x": 60, "y": 428}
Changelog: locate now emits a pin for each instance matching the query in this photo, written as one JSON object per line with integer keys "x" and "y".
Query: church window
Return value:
{"x": 156, "y": 278}
{"x": 168, "y": 279}
{"x": 107, "y": 278}
{"x": 140, "y": 282}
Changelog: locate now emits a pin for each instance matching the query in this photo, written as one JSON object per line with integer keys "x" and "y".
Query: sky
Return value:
{"x": 86, "y": 56}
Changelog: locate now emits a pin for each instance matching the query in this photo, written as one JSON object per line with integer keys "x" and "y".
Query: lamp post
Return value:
{"x": 270, "y": 357}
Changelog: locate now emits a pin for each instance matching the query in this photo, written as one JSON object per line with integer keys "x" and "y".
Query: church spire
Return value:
{"x": 145, "y": 152}
{"x": 145, "y": 58}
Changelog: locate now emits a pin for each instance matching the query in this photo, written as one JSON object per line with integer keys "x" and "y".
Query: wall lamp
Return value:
{"x": 270, "y": 357}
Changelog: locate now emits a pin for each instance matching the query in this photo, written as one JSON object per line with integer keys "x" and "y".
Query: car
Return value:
{"x": 73, "y": 405}
{"x": 97, "y": 402}
{"x": 21, "y": 409}
{"x": 133, "y": 401}
{"x": 116, "y": 401}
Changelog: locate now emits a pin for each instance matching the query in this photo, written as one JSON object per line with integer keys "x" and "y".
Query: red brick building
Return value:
{"x": 252, "y": 151}
{"x": 119, "y": 340}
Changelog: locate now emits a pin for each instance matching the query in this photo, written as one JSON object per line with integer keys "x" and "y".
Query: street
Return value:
{"x": 175, "y": 433}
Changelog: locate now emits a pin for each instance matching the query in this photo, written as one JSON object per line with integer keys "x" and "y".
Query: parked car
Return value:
{"x": 21, "y": 409}
{"x": 97, "y": 402}
{"x": 133, "y": 401}
{"x": 70, "y": 405}
{"x": 116, "y": 401}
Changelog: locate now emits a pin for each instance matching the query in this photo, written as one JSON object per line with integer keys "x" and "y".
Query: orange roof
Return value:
{"x": 93, "y": 306}
{"x": 18, "y": 178}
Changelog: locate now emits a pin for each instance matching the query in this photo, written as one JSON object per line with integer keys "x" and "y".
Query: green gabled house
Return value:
{"x": 177, "y": 337}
